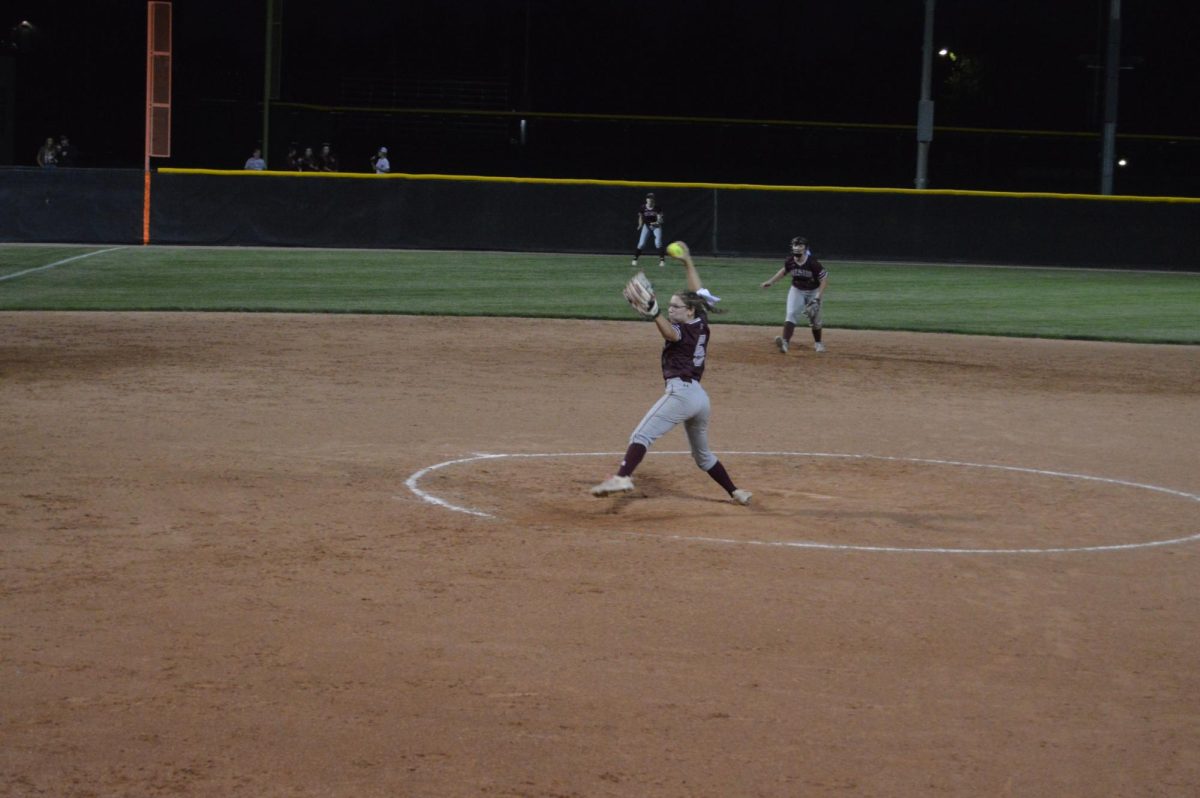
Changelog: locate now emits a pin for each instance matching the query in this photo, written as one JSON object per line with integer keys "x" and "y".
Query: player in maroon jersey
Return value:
{"x": 685, "y": 334}
{"x": 808, "y": 288}
{"x": 649, "y": 221}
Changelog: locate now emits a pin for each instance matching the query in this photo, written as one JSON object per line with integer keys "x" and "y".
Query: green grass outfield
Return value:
{"x": 1144, "y": 307}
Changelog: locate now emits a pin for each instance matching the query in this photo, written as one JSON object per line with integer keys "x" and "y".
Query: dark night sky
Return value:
{"x": 847, "y": 61}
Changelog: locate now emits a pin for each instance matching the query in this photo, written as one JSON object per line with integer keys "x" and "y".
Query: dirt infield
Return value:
{"x": 265, "y": 555}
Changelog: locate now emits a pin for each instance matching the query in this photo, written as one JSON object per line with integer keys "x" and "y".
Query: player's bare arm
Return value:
{"x": 693, "y": 276}
{"x": 666, "y": 328}
{"x": 776, "y": 278}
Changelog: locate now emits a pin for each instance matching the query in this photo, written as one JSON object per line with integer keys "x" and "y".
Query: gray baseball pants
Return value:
{"x": 796, "y": 300}
{"x": 645, "y": 234}
{"x": 683, "y": 403}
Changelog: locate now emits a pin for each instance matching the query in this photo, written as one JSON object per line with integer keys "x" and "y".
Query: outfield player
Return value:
{"x": 685, "y": 334}
{"x": 649, "y": 220}
{"x": 805, "y": 295}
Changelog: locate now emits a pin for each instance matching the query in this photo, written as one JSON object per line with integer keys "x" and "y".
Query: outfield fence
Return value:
{"x": 400, "y": 211}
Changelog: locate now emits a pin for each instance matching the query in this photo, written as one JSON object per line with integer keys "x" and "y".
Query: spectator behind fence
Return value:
{"x": 327, "y": 161}
{"x": 47, "y": 155}
{"x": 255, "y": 162}
{"x": 307, "y": 162}
{"x": 68, "y": 155}
{"x": 380, "y": 162}
{"x": 293, "y": 157}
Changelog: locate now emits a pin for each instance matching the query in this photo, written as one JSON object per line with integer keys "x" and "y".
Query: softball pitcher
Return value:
{"x": 650, "y": 220}
{"x": 808, "y": 288}
{"x": 685, "y": 334}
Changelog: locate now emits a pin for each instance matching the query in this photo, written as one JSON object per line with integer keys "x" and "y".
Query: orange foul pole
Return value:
{"x": 158, "y": 96}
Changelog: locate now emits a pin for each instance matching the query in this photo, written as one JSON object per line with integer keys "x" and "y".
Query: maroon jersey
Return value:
{"x": 651, "y": 216}
{"x": 807, "y": 272}
{"x": 685, "y": 358}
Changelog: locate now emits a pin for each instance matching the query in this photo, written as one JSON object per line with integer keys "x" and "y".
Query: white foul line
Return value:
{"x": 60, "y": 262}
{"x": 412, "y": 481}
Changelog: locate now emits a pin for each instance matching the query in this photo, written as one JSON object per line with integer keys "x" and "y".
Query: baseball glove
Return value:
{"x": 812, "y": 308}
{"x": 639, "y": 293}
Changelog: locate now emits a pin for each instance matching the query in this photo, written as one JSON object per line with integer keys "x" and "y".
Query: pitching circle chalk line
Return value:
{"x": 412, "y": 484}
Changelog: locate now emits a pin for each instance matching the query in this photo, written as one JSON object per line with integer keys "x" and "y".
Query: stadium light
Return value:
{"x": 23, "y": 37}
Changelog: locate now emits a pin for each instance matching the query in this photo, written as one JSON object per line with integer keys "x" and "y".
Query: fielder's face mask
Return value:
{"x": 799, "y": 246}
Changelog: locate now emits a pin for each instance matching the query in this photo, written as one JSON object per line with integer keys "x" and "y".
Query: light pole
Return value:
{"x": 925, "y": 104}
{"x": 271, "y": 59}
{"x": 1112, "y": 71}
